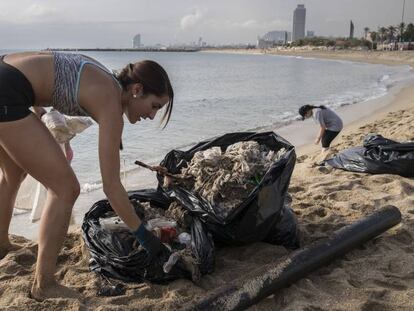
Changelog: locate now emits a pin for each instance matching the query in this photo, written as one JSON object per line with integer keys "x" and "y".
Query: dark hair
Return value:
{"x": 304, "y": 109}
{"x": 154, "y": 80}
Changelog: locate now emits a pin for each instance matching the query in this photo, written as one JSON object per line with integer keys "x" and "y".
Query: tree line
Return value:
{"x": 400, "y": 33}
{"x": 390, "y": 34}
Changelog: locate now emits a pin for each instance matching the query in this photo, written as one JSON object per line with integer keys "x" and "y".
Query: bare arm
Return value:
{"x": 100, "y": 96}
{"x": 110, "y": 130}
{"x": 321, "y": 132}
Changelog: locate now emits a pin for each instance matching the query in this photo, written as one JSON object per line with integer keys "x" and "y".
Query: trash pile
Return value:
{"x": 169, "y": 226}
{"x": 377, "y": 155}
{"x": 237, "y": 185}
{"x": 226, "y": 178}
{"x": 116, "y": 253}
{"x": 231, "y": 188}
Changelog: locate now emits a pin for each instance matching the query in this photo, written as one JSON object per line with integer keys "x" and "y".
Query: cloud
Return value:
{"x": 251, "y": 23}
{"x": 33, "y": 13}
{"x": 38, "y": 11}
{"x": 190, "y": 20}
{"x": 264, "y": 24}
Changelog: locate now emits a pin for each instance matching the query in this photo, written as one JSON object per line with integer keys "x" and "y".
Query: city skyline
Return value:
{"x": 106, "y": 23}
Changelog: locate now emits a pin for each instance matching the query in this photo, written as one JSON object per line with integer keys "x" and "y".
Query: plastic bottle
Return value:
{"x": 185, "y": 238}
{"x": 171, "y": 262}
{"x": 160, "y": 223}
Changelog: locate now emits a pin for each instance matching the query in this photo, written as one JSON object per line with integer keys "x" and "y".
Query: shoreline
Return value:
{"x": 371, "y": 57}
{"x": 123, "y": 50}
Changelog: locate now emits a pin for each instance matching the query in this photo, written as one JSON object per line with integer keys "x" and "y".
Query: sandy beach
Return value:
{"x": 376, "y": 276}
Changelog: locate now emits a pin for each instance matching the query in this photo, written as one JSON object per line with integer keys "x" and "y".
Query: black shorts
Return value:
{"x": 327, "y": 137}
{"x": 16, "y": 93}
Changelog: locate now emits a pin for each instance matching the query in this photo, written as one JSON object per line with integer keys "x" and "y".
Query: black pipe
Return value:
{"x": 300, "y": 263}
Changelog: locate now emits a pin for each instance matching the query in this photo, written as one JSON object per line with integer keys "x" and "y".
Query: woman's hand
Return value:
{"x": 149, "y": 242}
{"x": 320, "y": 135}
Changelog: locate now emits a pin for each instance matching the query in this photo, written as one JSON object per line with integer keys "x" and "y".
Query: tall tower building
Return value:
{"x": 299, "y": 17}
{"x": 351, "y": 30}
{"x": 136, "y": 42}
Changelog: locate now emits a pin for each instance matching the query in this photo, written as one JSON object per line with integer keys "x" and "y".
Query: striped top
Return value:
{"x": 68, "y": 70}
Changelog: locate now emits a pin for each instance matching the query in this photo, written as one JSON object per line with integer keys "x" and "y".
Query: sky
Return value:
{"x": 113, "y": 23}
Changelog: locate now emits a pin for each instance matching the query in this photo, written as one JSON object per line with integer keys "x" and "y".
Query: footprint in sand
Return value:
{"x": 395, "y": 285}
{"x": 371, "y": 305}
{"x": 317, "y": 213}
{"x": 295, "y": 189}
{"x": 301, "y": 159}
{"x": 25, "y": 258}
{"x": 378, "y": 293}
{"x": 403, "y": 236}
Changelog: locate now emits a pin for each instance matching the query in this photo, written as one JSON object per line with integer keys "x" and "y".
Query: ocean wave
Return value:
{"x": 89, "y": 187}
{"x": 384, "y": 78}
{"x": 335, "y": 102}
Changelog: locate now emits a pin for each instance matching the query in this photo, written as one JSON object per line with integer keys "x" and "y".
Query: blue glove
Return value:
{"x": 149, "y": 241}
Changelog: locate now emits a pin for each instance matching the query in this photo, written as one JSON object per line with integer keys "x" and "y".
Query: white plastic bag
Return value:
{"x": 64, "y": 128}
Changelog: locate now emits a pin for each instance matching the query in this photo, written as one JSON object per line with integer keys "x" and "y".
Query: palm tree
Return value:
{"x": 366, "y": 30}
{"x": 373, "y": 35}
{"x": 409, "y": 32}
{"x": 383, "y": 32}
{"x": 401, "y": 28}
{"x": 391, "y": 32}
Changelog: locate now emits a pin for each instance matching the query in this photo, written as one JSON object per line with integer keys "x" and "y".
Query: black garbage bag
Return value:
{"x": 378, "y": 155}
{"x": 260, "y": 213}
{"x": 286, "y": 231}
{"x": 113, "y": 255}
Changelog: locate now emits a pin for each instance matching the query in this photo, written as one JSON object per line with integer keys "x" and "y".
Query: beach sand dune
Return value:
{"x": 378, "y": 275}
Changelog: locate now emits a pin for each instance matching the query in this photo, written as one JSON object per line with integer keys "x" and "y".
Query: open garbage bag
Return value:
{"x": 113, "y": 253}
{"x": 378, "y": 155}
{"x": 263, "y": 214}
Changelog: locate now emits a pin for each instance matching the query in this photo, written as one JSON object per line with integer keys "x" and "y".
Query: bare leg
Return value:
{"x": 326, "y": 152}
{"x": 50, "y": 167}
{"x": 53, "y": 227}
{"x": 10, "y": 180}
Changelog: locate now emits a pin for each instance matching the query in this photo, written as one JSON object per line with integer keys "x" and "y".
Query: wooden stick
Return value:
{"x": 156, "y": 169}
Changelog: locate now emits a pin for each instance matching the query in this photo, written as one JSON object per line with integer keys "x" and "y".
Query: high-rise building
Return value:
{"x": 136, "y": 42}
{"x": 273, "y": 38}
{"x": 351, "y": 30}
{"x": 310, "y": 34}
{"x": 299, "y": 17}
{"x": 277, "y": 36}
